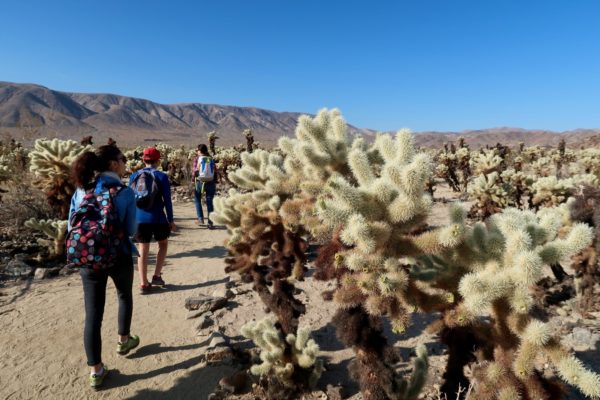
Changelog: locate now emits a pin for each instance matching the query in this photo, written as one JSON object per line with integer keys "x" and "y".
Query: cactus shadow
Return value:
{"x": 337, "y": 374}
{"x": 210, "y": 252}
{"x": 591, "y": 358}
{"x": 326, "y": 338}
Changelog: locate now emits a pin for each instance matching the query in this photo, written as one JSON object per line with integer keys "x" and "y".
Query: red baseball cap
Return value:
{"x": 151, "y": 154}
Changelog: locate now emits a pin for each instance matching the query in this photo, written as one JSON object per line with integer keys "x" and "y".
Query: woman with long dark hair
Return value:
{"x": 100, "y": 173}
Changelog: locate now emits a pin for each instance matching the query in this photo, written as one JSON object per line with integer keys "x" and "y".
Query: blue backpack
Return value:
{"x": 95, "y": 234}
{"x": 145, "y": 189}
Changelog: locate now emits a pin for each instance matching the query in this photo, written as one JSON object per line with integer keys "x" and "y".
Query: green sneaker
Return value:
{"x": 130, "y": 344}
{"x": 96, "y": 381}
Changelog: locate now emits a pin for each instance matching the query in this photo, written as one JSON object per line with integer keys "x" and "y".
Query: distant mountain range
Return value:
{"x": 31, "y": 111}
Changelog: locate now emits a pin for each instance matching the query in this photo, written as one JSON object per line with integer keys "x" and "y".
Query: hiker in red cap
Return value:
{"x": 153, "y": 198}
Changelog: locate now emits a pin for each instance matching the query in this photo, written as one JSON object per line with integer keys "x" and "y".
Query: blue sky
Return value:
{"x": 422, "y": 64}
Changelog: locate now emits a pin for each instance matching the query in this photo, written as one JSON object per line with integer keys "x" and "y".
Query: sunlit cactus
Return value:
{"x": 505, "y": 257}
{"x": 55, "y": 229}
{"x": 50, "y": 161}
{"x": 292, "y": 360}
{"x": 550, "y": 191}
{"x": 489, "y": 194}
{"x": 485, "y": 162}
{"x": 212, "y": 139}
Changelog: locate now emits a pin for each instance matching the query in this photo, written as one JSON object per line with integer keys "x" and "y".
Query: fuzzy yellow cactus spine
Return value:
{"x": 283, "y": 357}
{"x": 56, "y": 230}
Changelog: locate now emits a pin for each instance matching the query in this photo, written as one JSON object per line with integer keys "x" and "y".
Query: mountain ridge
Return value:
{"x": 32, "y": 110}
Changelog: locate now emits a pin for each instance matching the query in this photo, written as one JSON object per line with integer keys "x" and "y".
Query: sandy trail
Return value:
{"x": 42, "y": 325}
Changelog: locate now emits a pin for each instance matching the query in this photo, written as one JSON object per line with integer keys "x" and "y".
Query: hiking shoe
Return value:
{"x": 157, "y": 280}
{"x": 131, "y": 343}
{"x": 145, "y": 289}
{"x": 210, "y": 224}
{"x": 96, "y": 381}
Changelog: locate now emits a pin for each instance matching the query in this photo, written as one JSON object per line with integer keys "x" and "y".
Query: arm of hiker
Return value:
{"x": 166, "y": 193}
{"x": 195, "y": 168}
{"x": 127, "y": 203}
{"x": 75, "y": 200}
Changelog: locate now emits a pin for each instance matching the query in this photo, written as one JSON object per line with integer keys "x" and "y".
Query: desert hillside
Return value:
{"x": 30, "y": 111}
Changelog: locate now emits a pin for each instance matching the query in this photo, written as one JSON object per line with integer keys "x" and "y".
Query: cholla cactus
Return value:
{"x": 489, "y": 194}
{"x": 55, "y": 229}
{"x": 589, "y": 160}
{"x": 486, "y": 162}
{"x": 518, "y": 186}
{"x": 320, "y": 149}
{"x": 505, "y": 257}
{"x": 378, "y": 213}
{"x": 134, "y": 160}
{"x": 212, "y": 138}
{"x": 51, "y": 162}
{"x": 13, "y": 160}
{"x": 291, "y": 361}
{"x": 249, "y": 140}
{"x": 447, "y": 169}
{"x": 178, "y": 164}
{"x": 227, "y": 160}
{"x": 550, "y": 191}
{"x": 542, "y": 167}
{"x": 586, "y": 208}
{"x": 266, "y": 243}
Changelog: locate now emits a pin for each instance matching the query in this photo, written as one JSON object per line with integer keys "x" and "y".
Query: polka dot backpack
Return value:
{"x": 95, "y": 234}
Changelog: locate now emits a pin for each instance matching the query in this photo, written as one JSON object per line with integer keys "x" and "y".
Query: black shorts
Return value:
{"x": 146, "y": 231}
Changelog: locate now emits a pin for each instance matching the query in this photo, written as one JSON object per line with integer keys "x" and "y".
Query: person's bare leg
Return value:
{"x": 143, "y": 263}
{"x": 163, "y": 245}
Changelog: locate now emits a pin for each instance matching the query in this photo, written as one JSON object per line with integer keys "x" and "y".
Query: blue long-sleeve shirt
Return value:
{"x": 162, "y": 203}
{"x": 124, "y": 204}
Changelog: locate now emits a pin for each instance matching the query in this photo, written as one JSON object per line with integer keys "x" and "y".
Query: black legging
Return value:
{"x": 94, "y": 294}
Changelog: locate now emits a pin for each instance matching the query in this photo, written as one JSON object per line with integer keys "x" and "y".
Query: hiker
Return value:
{"x": 97, "y": 175}
{"x": 153, "y": 197}
{"x": 204, "y": 175}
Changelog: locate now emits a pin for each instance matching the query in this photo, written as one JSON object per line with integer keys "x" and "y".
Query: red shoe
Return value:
{"x": 145, "y": 289}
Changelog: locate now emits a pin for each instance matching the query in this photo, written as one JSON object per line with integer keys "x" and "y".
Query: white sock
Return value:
{"x": 100, "y": 372}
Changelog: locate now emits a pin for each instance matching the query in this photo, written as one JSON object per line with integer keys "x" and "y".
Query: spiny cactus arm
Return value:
{"x": 580, "y": 236}
{"x": 537, "y": 338}
{"x": 359, "y": 164}
{"x": 56, "y": 230}
{"x": 437, "y": 240}
{"x": 413, "y": 387}
{"x": 572, "y": 370}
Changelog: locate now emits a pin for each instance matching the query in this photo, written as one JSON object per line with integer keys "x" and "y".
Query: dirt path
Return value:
{"x": 41, "y": 343}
